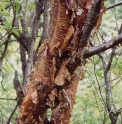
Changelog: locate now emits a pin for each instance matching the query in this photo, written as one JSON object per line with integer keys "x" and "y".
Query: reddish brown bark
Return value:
{"x": 55, "y": 78}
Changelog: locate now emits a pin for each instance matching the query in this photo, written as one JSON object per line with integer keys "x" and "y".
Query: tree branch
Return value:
{"x": 113, "y": 114}
{"x": 45, "y": 23}
{"x": 113, "y": 52}
{"x": 7, "y": 99}
{"x": 25, "y": 41}
{"x": 102, "y": 47}
{"x": 18, "y": 89}
{"x": 112, "y": 6}
{"x": 8, "y": 122}
{"x": 111, "y": 58}
{"x": 23, "y": 20}
{"x": 24, "y": 26}
{"x": 36, "y": 19}
{"x": 90, "y": 23}
{"x": 6, "y": 46}
{"x": 34, "y": 33}
{"x": 23, "y": 59}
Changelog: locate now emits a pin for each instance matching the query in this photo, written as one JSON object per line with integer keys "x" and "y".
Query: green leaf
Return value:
{"x": 4, "y": 12}
{"x": 17, "y": 6}
{"x": 7, "y": 25}
{"x": 15, "y": 31}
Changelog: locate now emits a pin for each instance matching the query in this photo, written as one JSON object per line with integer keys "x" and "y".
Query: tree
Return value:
{"x": 52, "y": 69}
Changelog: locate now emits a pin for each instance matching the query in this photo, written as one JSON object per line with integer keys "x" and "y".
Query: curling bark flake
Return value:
{"x": 53, "y": 83}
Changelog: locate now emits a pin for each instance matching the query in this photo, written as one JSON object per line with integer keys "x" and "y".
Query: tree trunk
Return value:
{"x": 60, "y": 63}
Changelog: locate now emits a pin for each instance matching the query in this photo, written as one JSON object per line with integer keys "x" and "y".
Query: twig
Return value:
{"x": 117, "y": 82}
{"x": 4, "y": 53}
{"x": 111, "y": 58}
{"x": 6, "y": 46}
{"x": 98, "y": 84}
{"x": 113, "y": 50}
{"x": 9, "y": 119}
{"x": 2, "y": 81}
{"x": 14, "y": 18}
{"x": 97, "y": 104}
{"x": 100, "y": 55}
{"x": 7, "y": 99}
{"x": 112, "y": 6}
{"x": 18, "y": 88}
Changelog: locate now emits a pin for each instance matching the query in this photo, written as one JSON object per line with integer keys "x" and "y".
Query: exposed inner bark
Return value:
{"x": 53, "y": 83}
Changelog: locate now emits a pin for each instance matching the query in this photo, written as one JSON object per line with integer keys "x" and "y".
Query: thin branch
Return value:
{"x": 7, "y": 6}
{"x": 111, "y": 58}
{"x": 120, "y": 31}
{"x": 3, "y": 56}
{"x": 109, "y": 97}
{"x": 116, "y": 82}
{"x": 18, "y": 89}
{"x": 112, "y": 6}
{"x": 9, "y": 120}
{"x": 102, "y": 47}
{"x": 100, "y": 55}
{"x": 114, "y": 48}
{"x": 97, "y": 104}
{"x": 98, "y": 84}
{"x": 2, "y": 81}
{"x": 23, "y": 20}
{"x": 7, "y": 99}
{"x": 45, "y": 23}
{"x": 107, "y": 82}
{"x": 36, "y": 19}
{"x": 113, "y": 51}
{"x": 13, "y": 22}
{"x": 113, "y": 114}
{"x": 6, "y": 46}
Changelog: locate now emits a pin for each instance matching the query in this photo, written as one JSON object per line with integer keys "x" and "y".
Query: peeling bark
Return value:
{"x": 53, "y": 84}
